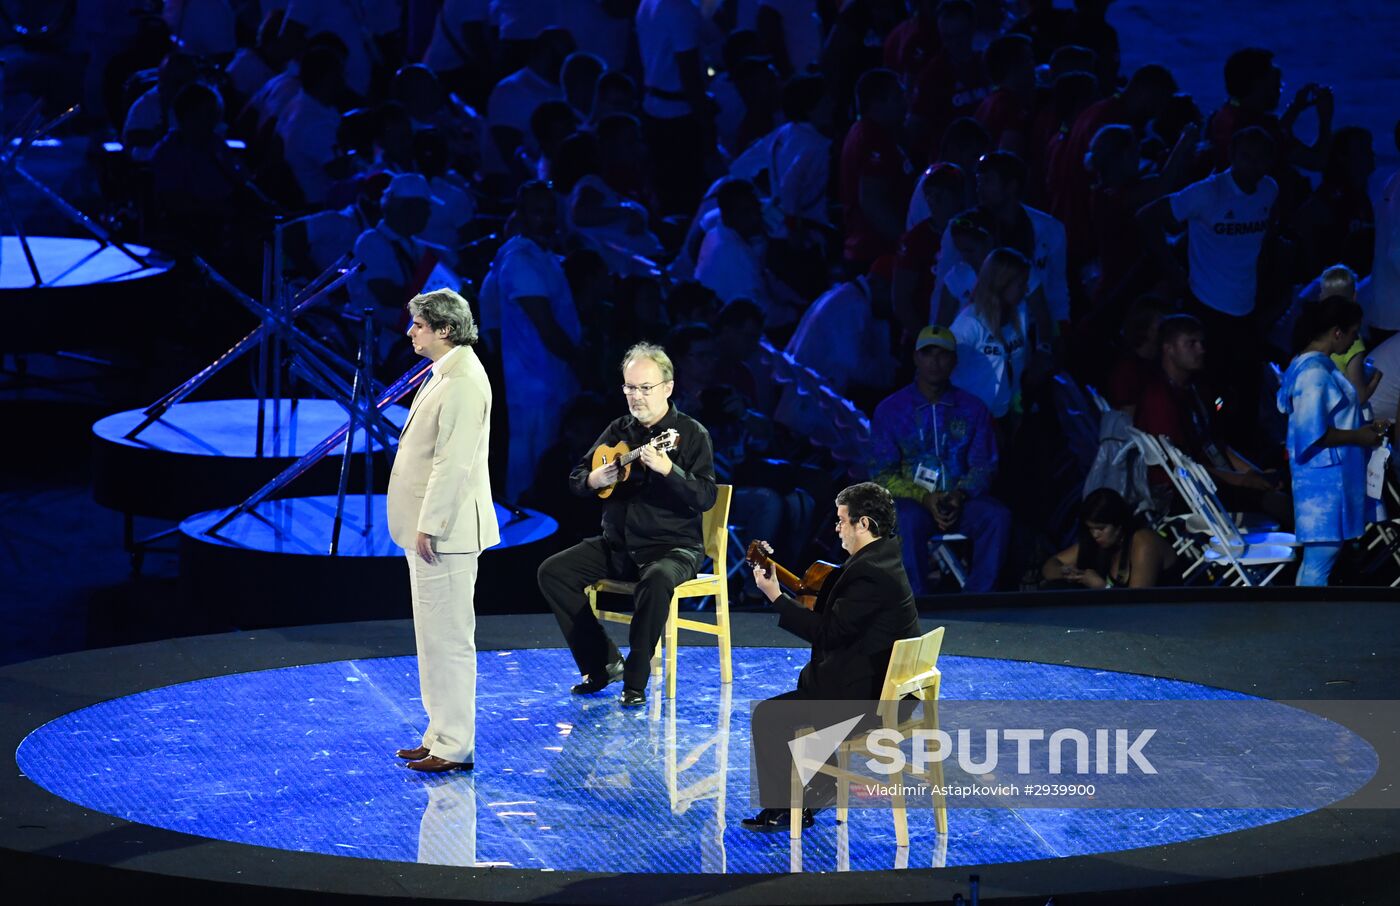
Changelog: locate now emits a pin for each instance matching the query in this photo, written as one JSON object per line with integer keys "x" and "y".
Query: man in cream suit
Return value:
{"x": 441, "y": 514}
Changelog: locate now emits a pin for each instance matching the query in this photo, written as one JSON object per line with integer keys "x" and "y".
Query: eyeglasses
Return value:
{"x": 640, "y": 389}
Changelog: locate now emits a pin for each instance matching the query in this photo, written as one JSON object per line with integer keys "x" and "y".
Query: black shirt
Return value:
{"x": 649, "y": 514}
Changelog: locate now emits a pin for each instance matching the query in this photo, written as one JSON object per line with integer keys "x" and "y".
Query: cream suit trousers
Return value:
{"x": 444, "y": 627}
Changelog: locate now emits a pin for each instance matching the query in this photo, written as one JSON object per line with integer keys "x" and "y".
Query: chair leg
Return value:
{"x": 899, "y": 811}
{"x": 795, "y": 812}
{"x": 935, "y": 775}
{"x": 726, "y": 662}
{"x": 672, "y": 642}
{"x": 843, "y": 789}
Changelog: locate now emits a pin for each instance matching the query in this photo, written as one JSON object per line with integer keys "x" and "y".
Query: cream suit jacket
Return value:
{"x": 439, "y": 484}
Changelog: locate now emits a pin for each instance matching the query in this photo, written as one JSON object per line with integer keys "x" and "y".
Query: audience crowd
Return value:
{"x": 887, "y": 239}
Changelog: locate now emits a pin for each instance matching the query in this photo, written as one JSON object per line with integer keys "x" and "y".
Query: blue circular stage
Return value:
{"x": 300, "y": 758}
{"x": 303, "y": 525}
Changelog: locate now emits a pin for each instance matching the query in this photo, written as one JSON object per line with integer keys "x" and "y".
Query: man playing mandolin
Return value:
{"x": 652, "y": 510}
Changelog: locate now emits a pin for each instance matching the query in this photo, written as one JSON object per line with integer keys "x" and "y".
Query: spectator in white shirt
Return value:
{"x": 514, "y": 100}
{"x": 731, "y": 261}
{"x": 991, "y": 333}
{"x": 252, "y": 67}
{"x": 677, "y": 113}
{"x": 845, "y": 338}
{"x": 148, "y": 119}
{"x": 460, "y": 48}
{"x": 348, "y": 21}
{"x": 307, "y": 125}
{"x": 1225, "y": 216}
{"x": 1001, "y": 183}
{"x": 396, "y": 261}
{"x": 796, "y": 157}
{"x": 610, "y": 223}
{"x": 526, "y": 297}
{"x": 1385, "y": 359}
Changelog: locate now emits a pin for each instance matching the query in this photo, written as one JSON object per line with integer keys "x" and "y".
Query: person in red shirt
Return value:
{"x": 1170, "y": 405}
{"x": 875, "y": 173}
{"x": 1120, "y": 189}
{"x": 953, "y": 83}
{"x": 945, "y": 189}
{"x": 1146, "y": 93}
{"x": 1254, "y": 85}
{"x": 1138, "y": 356}
{"x": 1005, "y": 113}
{"x": 1070, "y": 95}
{"x": 913, "y": 42}
{"x": 1337, "y": 222}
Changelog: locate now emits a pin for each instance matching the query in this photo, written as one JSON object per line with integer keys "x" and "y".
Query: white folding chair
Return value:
{"x": 1175, "y": 528}
{"x": 1099, "y": 401}
{"x": 1255, "y": 528}
{"x": 945, "y": 556}
{"x": 1225, "y": 548}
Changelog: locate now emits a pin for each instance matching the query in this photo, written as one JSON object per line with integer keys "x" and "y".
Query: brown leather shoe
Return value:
{"x": 412, "y": 754}
{"x": 435, "y": 765}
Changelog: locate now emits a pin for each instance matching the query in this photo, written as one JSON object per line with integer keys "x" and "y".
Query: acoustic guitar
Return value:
{"x": 804, "y": 588}
{"x": 623, "y": 455}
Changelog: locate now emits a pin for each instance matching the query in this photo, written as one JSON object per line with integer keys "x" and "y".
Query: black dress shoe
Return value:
{"x": 770, "y": 820}
{"x": 632, "y": 698}
{"x": 597, "y": 682}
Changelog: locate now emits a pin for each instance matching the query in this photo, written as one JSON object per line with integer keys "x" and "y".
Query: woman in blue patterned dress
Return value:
{"x": 1327, "y": 439}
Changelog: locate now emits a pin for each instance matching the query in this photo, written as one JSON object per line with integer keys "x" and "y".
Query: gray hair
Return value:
{"x": 445, "y": 308}
{"x": 653, "y": 352}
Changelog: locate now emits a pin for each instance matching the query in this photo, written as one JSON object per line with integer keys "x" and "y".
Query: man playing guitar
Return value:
{"x": 651, "y": 526}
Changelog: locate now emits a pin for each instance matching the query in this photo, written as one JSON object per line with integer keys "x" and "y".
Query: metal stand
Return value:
{"x": 370, "y": 415}
{"x": 284, "y": 350}
{"x": 278, "y": 315}
{"x": 18, "y": 141}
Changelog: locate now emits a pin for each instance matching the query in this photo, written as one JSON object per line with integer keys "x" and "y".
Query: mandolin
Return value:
{"x": 804, "y": 588}
{"x": 624, "y": 456}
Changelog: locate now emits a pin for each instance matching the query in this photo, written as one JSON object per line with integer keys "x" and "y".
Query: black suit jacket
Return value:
{"x": 861, "y": 613}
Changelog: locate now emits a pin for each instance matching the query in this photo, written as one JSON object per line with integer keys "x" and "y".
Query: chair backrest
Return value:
{"x": 715, "y": 528}
{"x": 1099, "y": 402}
{"x": 1199, "y": 492}
{"x": 913, "y": 668}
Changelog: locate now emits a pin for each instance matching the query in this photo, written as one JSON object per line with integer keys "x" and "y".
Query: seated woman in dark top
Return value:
{"x": 1115, "y": 549}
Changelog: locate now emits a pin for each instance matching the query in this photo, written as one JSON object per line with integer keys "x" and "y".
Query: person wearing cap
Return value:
{"x": 934, "y": 449}
{"x": 396, "y": 260}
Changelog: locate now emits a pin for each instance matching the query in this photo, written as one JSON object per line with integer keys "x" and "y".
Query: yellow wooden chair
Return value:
{"x": 913, "y": 671}
{"x": 716, "y": 582}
